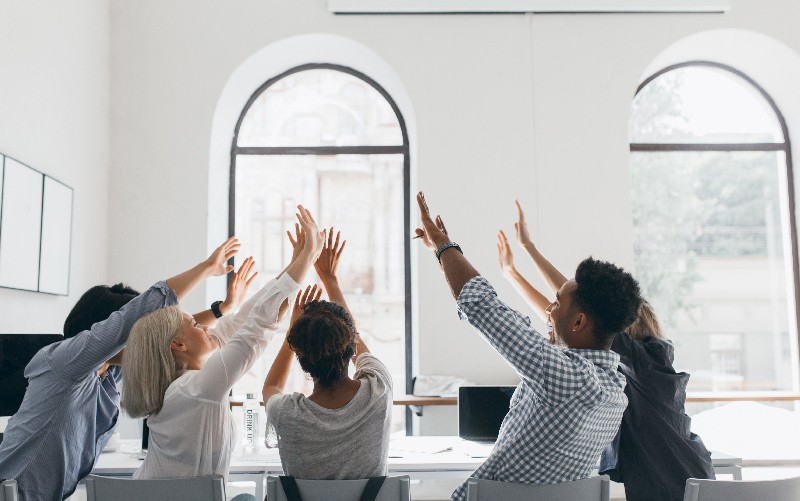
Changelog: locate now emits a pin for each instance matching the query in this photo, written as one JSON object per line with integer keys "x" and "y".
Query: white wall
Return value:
{"x": 538, "y": 102}
{"x": 54, "y": 85}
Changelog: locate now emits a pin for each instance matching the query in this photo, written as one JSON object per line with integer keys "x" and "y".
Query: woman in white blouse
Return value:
{"x": 178, "y": 374}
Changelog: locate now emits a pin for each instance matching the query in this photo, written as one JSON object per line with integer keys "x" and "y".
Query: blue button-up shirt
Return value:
{"x": 69, "y": 413}
{"x": 564, "y": 412}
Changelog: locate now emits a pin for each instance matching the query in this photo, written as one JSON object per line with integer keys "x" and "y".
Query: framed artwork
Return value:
{"x": 35, "y": 229}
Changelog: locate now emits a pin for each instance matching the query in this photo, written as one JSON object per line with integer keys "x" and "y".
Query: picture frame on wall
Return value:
{"x": 35, "y": 229}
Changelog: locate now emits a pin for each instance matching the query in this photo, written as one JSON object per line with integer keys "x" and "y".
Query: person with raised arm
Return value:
{"x": 655, "y": 451}
{"x": 569, "y": 403}
{"x": 71, "y": 404}
{"x": 341, "y": 430}
{"x": 178, "y": 373}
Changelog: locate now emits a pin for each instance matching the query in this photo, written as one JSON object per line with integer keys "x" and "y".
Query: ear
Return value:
{"x": 177, "y": 346}
{"x": 580, "y": 323}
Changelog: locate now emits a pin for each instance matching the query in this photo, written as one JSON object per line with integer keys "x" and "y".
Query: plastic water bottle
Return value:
{"x": 251, "y": 407}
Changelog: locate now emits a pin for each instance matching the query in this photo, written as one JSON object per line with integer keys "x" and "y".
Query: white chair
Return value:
{"x": 393, "y": 489}
{"x": 208, "y": 488}
{"x": 8, "y": 490}
{"x": 787, "y": 489}
{"x": 587, "y": 489}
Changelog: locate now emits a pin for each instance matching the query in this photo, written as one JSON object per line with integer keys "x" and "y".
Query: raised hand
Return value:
{"x": 504, "y": 254}
{"x": 237, "y": 288}
{"x": 433, "y": 234}
{"x": 312, "y": 293}
{"x": 217, "y": 262}
{"x": 328, "y": 259}
{"x": 521, "y": 227}
{"x": 298, "y": 241}
{"x": 314, "y": 239}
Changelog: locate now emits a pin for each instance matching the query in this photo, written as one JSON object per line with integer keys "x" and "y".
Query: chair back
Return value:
{"x": 587, "y": 489}
{"x": 786, "y": 489}
{"x": 208, "y": 488}
{"x": 8, "y": 490}
{"x": 393, "y": 489}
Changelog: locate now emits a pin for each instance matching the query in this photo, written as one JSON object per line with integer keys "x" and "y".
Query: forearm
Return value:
{"x": 185, "y": 282}
{"x": 278, "y": 373}
{"x": 457, "y": 270}
{"x": 298, "y": 268}
{"x": 552, "y": 276}
{"x": 535, "y": 299}
{"x": 206, "y": 317}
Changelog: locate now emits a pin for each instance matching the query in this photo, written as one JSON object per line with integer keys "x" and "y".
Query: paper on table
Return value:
{"x": 430, "y": 445}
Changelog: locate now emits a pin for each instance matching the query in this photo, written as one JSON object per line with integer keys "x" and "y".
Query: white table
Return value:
{"x": 418, "y": 457}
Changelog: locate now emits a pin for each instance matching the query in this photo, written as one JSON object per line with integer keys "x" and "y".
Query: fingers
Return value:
{"x": 440, "y": 224}
{"x": 520, "y": 212}
{"x": 339, "y": 252}
{"x": 419, "y": 232}
{"x": 335, "y": 246}
{"x": 424, "y": 212}
{"x": 318, "y": 295}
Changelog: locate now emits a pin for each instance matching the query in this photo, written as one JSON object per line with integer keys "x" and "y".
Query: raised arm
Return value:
{"x": 237, "y": 290}
{"x": 457, "y": 269}
{"x": 326, "y": 266}
{"x": 535, "y": 299}
{"x": 275, "y": 382}
{"x": 552, "y": 276}
{"x": 90, "y": 349}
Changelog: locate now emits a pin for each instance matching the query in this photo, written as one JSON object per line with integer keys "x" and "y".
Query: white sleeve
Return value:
{"x": 239, "y": 354}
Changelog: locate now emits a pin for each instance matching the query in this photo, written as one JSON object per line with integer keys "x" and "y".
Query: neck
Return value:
{"x": 336, "y": 386}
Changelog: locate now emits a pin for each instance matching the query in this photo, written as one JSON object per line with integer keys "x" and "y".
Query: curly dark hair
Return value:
{"x": 609, "y": 295}
{"x": 96, "y": 305}
{"x": 324, "y": 340}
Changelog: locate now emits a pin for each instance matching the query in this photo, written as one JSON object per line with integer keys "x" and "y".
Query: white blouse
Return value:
{"x": 193, "y": 434}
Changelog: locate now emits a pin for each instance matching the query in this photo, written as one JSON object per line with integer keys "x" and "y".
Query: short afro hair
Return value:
{"x": 96, "y": 305}
{"x": 609, "y": 295}
{"x": 323, "y": 338}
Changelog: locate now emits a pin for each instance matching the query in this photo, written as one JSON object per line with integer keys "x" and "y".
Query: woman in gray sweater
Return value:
{"x": 341, "y": 430}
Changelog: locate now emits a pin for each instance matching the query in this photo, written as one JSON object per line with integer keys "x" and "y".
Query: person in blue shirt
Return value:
{"x": 655, "y": 451}
{"x": 71, "y": 404}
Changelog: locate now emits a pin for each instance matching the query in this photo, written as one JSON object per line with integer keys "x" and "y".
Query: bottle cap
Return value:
{"x": 250, "y": 396}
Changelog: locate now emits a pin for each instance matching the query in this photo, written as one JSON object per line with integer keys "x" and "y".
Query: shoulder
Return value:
{"x": 369, "y": 366}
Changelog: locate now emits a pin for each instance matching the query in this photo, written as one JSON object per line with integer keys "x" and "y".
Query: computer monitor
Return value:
{"x": 481, "y": 410}
{"x": 16, "y": 350}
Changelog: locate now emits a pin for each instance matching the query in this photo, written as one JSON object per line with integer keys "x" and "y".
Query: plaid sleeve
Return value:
{"x": 550, "y": 370}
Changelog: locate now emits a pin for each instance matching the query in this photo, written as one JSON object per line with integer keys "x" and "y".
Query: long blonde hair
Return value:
{"x": 148, "y": 362}
{"x": 646, "y": 324}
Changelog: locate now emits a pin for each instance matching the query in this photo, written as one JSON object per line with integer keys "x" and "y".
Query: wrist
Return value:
{"x": 328, "y": 278}
{"x": 225, "y": 307}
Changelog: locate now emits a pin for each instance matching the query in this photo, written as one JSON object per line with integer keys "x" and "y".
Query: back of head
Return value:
{"x": 609, "y": 295}
{"x": 646, "y": 324}
{"x": 323, "y": 338}
{"x": 96, "y": 305}
{"x": 150, "y": 366}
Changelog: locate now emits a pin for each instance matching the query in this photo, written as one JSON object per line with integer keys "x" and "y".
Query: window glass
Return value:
{"x": 320, "y": 107}
{"x": 696, "y": 104}
{"x": 712, "y": 233}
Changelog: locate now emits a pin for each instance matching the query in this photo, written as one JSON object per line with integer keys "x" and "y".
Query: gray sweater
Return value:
{"x": 351, "y": 442}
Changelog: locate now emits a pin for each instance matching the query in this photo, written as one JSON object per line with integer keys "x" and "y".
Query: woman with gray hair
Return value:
{"x": 182, "y": 373}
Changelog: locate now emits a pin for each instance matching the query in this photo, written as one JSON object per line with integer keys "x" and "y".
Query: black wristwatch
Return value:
{"x": 444, "y": 247}
{"x": 215, "y": 309}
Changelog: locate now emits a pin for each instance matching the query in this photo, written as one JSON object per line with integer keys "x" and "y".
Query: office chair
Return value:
{"x": 8, "y": 490}
{"x": 393, "y": 489}
{"x": 208, "y": 488}
{"x": 787, "y": 489}
{"x": 587, "y": 489}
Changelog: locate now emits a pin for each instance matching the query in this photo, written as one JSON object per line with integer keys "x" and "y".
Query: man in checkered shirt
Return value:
{"x": 569, "y": 404}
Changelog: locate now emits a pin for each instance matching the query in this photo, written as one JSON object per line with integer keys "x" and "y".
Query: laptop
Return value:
{"x": 481, "y": 410}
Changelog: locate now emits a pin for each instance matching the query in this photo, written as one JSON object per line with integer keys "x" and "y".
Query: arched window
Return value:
{"x": 332, "y": 139}
{"x": 714, "y": 232}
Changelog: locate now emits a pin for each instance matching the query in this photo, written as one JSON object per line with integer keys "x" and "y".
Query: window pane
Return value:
{"x": 712, "y": 249}
{"x": 702, "y": 105}
{"x": 320, "y": 108}
{"x": 361, "y": 195}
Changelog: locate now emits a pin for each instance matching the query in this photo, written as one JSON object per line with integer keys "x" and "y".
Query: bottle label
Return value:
{"x": 249, "y": 427}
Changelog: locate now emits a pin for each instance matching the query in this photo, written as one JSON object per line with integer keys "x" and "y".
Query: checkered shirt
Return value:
{"x": 565, "y": 411}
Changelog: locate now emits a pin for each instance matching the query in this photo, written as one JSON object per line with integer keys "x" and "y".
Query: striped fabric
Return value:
{"x": 68, "y": 413}
{"x": 567, "y": 408}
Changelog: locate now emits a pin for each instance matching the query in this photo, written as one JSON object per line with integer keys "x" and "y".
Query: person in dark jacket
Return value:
{"x": 655, "y": 451}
